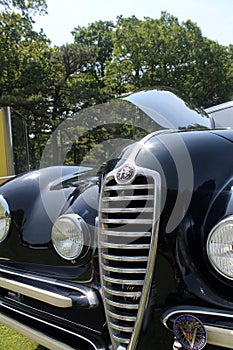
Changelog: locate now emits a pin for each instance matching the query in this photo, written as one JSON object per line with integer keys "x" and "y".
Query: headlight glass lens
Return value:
{"x": 5, "y": 218}
{"x": 220, "y": 247}
{"x": 69, "y": 235}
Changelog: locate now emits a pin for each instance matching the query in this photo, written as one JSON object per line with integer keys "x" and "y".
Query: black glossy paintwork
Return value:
{"x": 36, "y": 199}
{"x": 197, "y": 179}
{"x": 183, "y": 275}
{"x": 61, "y": 328}
{"x": 210, "y": 201}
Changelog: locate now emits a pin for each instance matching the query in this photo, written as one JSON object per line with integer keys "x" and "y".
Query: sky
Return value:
{"x": 214, "y": 17}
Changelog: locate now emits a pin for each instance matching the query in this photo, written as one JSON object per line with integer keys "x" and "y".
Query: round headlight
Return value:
{"x": 220, "y": 247}
{"x": 70, "y": 236}
{"x": 5, "y": 218}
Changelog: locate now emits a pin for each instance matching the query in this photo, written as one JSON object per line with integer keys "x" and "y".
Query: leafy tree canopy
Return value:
{"x": 165, "y": 52}
{"x": 48, "y": 84}
{"x": 27, "y": 7}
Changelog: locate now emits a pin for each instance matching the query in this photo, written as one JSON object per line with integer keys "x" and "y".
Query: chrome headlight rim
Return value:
{"x": 212, "y": 262}
{"x": 81, "y": 225}
{"x": 4, "y": 215}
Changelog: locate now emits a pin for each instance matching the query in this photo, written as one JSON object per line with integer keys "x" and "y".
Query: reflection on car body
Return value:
{"x": 134, "y": 251}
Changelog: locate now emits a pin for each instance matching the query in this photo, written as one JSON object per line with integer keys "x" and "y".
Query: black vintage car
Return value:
{"x": 134, "y": 251}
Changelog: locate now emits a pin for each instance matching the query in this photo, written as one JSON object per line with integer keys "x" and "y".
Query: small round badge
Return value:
{"x": 190, "y": 332}
{"x": 125, "y": 173}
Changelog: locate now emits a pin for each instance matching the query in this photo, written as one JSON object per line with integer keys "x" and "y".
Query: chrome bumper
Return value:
{"x": 56, "y": 293}
{"x": 43, "y": 325}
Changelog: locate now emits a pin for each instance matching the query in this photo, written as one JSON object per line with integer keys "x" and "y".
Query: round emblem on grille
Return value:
{"x": 125, "y": 173}
{"x": 190, "y": 332}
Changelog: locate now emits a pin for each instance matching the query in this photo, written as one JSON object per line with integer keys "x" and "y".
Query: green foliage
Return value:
{"x": 165, "y": 52}
{"x": 26, "y": 7}
{"x": 23, "y": 58}
{"x": 98, "y": 37}
{"x": 49, "y": 84}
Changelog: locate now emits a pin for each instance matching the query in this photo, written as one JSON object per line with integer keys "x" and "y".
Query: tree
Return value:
{"x": 164, "y": 52}
{"x": 27, "y": 7}
{"x": 23, "y": 57}
{"x": 64, "y": 94}
{"x": 98, "y": 36}
{"x": 125, "y": 69}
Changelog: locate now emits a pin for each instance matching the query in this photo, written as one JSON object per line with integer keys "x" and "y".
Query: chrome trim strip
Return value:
{"x": 122, "y": 281}
{"x": 125, "y": 258}
{"x": 127, "y": 198}
{"x": 121, "y": 317}
{"x": 126, "y": 221}
{"x": 22, "y": 327}
{"x": 127, "y": 234}
{"x": 123, "y": 246}
{"x": 121, "y": 328}
{"x": 122, "y": 305}
{"x": 36, "y": 293}
{"x": 122, "y": 270}
{"x": 127, "y": 210}
{"x": 151, "y": 257}
{"x": 124, "y": 294}
{"x": 129, "y": 187}
{"x": 85, "y": 291}
{"x": 219, "y": 336}
{"x": 192, "y": 310}
{"x": 122, "y": 340}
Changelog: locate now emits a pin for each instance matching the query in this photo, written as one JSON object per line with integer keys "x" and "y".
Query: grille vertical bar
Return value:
{"x": 128, "y": 230}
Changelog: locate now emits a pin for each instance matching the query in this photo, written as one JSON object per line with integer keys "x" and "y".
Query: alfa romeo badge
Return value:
{"x": 190, "y": 332}
{"x": 125, "y": 173}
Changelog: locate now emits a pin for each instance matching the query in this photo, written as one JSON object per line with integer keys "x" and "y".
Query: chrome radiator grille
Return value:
{"x": 128, "y": 224}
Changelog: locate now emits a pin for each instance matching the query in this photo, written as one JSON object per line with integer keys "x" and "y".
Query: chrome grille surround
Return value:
{"x": 128, "y": 233}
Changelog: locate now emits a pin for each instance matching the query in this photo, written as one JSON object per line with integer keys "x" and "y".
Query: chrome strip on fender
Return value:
{"x": 219, "y": 336}
{"x": 36, "y": 293}
{"x": 87, "y": 292}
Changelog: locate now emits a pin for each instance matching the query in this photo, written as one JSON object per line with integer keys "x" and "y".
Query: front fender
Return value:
{"x": 36, "y": 200}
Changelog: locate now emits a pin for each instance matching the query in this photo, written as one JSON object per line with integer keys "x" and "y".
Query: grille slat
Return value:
{"x": 126, "y": 221}
{"x": 127, "y": 244}
{"x": 121, "y": 317}
{"x": 123, "y": 246}
{"x": 121, "y": 328}
{"x": 123, "y": 294}
{"x": 122, "y": 281}
{"x": 127, "y": 234}
{"x": 122, "y": 269}
{"x": 121, "y": 305}
{"x": 129, "y": 187}
{"x": 127, "y": 198}
{"x": 127, "y": 210}
{"x": 125, "y": 258}
{"x": 122, "y": 340}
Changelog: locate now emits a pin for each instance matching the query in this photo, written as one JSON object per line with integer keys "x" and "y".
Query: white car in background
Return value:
{"x": 222, "y": 114}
